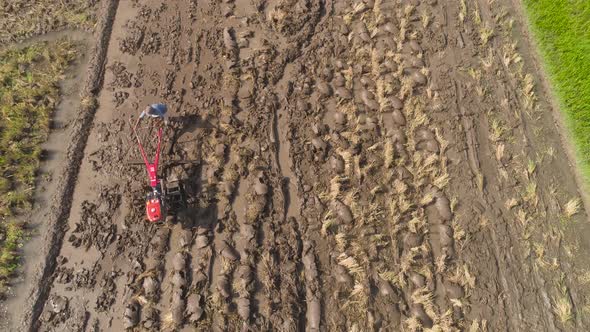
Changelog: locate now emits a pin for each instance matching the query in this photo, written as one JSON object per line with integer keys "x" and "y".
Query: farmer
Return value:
{"x": 155, "y": 111}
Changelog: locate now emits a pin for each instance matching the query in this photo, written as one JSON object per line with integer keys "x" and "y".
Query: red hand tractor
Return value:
{"x": 165, "y": 197}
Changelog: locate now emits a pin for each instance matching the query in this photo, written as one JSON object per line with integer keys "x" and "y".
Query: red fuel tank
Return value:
{"x": 153, "y": 209}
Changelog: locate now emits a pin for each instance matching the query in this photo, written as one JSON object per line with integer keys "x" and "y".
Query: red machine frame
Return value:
{"x": 154, "y": 201}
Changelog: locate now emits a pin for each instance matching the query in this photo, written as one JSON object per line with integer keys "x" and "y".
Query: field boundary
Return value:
{"x": 546, "y": 84}
{"x": 60, "y": 206}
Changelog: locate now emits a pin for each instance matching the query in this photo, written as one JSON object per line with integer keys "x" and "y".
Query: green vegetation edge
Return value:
{"x": 561, "y": 29}
{"x": 29, "y": 94}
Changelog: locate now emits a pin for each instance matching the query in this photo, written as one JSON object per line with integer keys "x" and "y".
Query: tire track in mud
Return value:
{"x": 226, "y": 256}
{"x": 497, "y": 191}
{"x": 60, "y": 206}
{"x": 352, "y": 258}
{"x": 273, "y": 313}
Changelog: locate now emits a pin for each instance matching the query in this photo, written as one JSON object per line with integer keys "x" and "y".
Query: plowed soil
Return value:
{"x": 353, "y": 166}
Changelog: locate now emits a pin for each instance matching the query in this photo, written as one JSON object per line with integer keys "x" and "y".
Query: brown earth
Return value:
{"x": 377, "y": 165}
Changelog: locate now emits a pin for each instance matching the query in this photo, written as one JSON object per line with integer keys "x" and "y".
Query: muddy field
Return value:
{"x": 355, "y": 166}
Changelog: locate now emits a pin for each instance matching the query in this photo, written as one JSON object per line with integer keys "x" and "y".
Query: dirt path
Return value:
{"x": 361, "y": 166}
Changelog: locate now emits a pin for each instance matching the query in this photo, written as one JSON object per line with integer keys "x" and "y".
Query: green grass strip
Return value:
{"x": 562, "y": 30}
{"x": 12, "y": 234}
{"x": 29, "y": 93}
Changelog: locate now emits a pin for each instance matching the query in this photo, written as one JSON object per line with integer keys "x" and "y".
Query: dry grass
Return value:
{"x": 530, "y": 193}
{"x": 562, "y": 308}
{"x": 485, "y": 34}
{"x": 488, "y": 61}
{"x": 530, "y": 169}
{"x": 327, "y": 223}
{"x": 441, "y": 181}
{"x": 584, "y": 277}
{"x": 528, "y": 86}
{"x": 425, "y": 297}
{"x": 425, "y": 18}
{"x": 539, "y": 250}
{"x": 341, "y": 241}
{"x": 463, "y": 276}
{"x": 28, "y": 18}
{"x": 416, "y": 224}
{"x": 351, "y": 264}
{"x": 497, "y": 130}
{"x": 463, "y": 11}
{"x": 441, "y": 263}
{"x": 511, "y": 203}
{"x": 476, "y": 14}
{"x": 510, "y": 55}
{"x": 460, "y": 236}
{"x": 413, "y": 324}
{"x": 478, "y": 326}
{"x": 444, "y": 322}
{"x": 571, "y": 208}
{"x": 358, "y": 299}
{"x": 522, "y": 217}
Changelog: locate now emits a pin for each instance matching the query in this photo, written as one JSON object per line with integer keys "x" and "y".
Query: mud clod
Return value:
{"x": 342, "y": 211}
{"x": 417, "y": 279}
{"x": 339, "y": 118}
{"x": 430, "y": 146}
{"x": 260, "y": 188}
{"x": 150, "y": 318}
{"x": 385, "y": 288}
{"x": 418, "y": 312}
{"x": 343, "y": 93}
{"x": 313, "y": 314}
{"x": 419, "y": 78}
{"x": 341, "y": 275}
{"x": 178, "y": 307}
{"x": 415, "y": 46}
{"x": 229, "y": 252}
{"x": 445, "y": 234}
{"x": 131, "y": 315}
{"x": 338, "y": 80}
{"x": 243, "y": 308}
{"x": 424, "y": 134}
{"x": 150, "y": 287}
{"x": 412, "y": 240}
{"x": 443, "y": 206}
{"x": 59, "y": 304}
{"x": 337, "y": 164}
{"x": 223, "y": 286}
{"x": 228, "y": 40}
{"x": 398, "y": 117}
{"x": 179, "y": 261}
{"x": 194, "y": 310}
{"x": 324, "y": 89}
{"x": 201, "y": 241}
{"x": 178, "y": 280}
{"x": 319, "y": 144}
